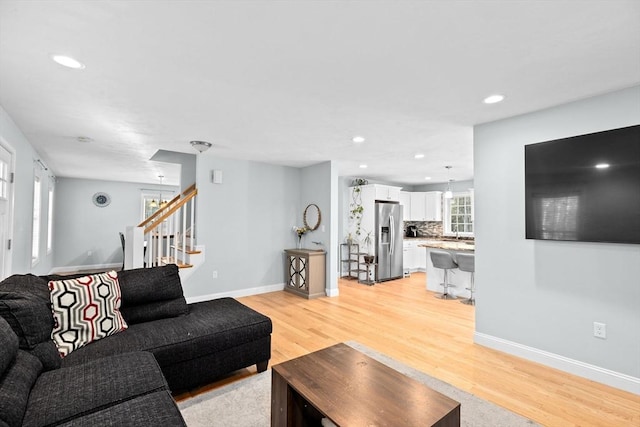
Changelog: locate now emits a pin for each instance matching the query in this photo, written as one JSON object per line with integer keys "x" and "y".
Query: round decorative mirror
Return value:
{"x": 312, "y": 217}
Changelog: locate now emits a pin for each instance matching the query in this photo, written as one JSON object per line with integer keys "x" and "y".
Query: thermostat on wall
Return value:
{"x": 216, "y": 176}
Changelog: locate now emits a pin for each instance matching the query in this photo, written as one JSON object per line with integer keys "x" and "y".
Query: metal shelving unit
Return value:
{"x": 351, "y": 261}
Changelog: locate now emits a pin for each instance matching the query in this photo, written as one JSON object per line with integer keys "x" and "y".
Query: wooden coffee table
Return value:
{"x": 352, "y": 389}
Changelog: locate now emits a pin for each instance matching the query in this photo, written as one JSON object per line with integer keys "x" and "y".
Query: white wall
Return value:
{"x": 12, "y": 138}
{"x": 80, "y": 226}
{"x": 187, "y": 164}
{"x": 539, "y": 299}
{"x": 319, "y": 186}
{"x": 245, "y": 224}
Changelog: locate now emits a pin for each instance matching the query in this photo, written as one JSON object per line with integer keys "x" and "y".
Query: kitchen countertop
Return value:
{"x": 450, "y": 245}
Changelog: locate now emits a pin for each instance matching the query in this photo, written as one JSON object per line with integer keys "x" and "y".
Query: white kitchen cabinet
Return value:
{"x": 406, "y": 259}
{"x": 413, "y": 256}
{"x": 418, "y": 207}
{"x": 433, "y": 206}
{"x": 405, "y": 202}
{"x": 408, "y": 256}
{"x": 426, "y": 206}
{"x": 387, "y": 192}
{"x": 420, "y": 258}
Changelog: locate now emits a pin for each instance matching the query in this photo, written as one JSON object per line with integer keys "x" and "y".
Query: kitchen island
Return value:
{"x": 459, "y": 280}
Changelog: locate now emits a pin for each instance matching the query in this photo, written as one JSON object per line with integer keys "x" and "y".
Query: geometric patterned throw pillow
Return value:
{"x": 85, "y": 309}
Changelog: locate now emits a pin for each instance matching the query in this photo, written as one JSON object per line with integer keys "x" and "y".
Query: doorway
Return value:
{"x": 6, "y": 199}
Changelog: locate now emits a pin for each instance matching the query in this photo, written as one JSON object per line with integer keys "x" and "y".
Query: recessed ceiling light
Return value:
{"x": 419, "y": 156}
{"x": 493, "y": 99}
{"x": 68, "y": 61}
{"x": 602, "y": 165}
{"x": 427, "y": 178}
{"x": 363, "y": 166}
{"x": 358, "y": 139}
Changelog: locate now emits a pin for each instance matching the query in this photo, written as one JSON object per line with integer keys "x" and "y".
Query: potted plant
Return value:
{"x": 368, "y": 241}
{"x": 300, "y": 231}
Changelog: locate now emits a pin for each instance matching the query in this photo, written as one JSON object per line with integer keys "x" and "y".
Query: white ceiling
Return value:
{"x": 291, "y": 82}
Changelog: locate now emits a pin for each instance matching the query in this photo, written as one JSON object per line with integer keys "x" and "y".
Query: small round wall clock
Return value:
{"x": 101, "y": 199}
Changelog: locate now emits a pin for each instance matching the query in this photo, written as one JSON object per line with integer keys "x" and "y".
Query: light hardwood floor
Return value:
{"x": 402, "y": 320}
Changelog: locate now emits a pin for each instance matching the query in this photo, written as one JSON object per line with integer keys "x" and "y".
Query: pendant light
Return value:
{"x": 160, "y": 201}
{"x": 448, "y": 194}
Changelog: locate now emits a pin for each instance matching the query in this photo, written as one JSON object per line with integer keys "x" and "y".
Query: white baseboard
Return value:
{"x": 238, "y": 293}
{"x": 575, "y": 367}
{"x": 74, "y": 268}
{"x": 332, "y": 292}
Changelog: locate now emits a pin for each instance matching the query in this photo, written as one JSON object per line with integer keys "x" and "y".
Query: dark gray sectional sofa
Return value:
{"x": 127, "y": 378}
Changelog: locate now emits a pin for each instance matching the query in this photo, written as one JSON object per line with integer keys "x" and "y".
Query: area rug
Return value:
{"x": 247, "y": 403}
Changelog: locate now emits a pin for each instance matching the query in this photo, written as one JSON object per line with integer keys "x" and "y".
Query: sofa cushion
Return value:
{"x": 25, "y": 304}
{"x": 211, "y": 327}
{"x": 48, "y": 354}
{"x": 15, "y": 385}
{"x": 8, "y": 344}
{"x": 67, "y": 393}
{"x": 144, "y": 285}
{"x": 155, "y": 310}
{"x": 85, "y": 309}
{"x": 153, "y": 409}
{"x": 147, "y": 293}
{"x": 151, "y": 293}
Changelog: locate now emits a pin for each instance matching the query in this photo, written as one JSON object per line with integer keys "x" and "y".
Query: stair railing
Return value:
{"x": 169, "y": 229}
{"x": 163, "y": 208}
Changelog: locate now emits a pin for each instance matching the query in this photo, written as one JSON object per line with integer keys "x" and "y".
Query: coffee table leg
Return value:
{"x": 288, "y": 408}
{"x": 279, "y": 403}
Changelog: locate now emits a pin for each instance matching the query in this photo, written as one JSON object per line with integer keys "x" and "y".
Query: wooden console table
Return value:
{"x": 352, "y": 389}
{"x": 305, "y": 272}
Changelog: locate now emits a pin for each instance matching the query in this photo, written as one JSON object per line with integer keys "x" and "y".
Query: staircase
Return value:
{"x": 167, "y": 237}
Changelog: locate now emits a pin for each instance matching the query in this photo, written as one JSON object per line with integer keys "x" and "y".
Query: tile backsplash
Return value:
{"x": 425, "y": 228}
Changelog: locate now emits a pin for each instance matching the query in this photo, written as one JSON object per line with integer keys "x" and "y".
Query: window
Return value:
{"x": 152, "y": 201}
{"x": 50, "y": 221}
{"x": 458, "y": 215}
{"x": 149, "y": 205}
{"x": 35, "y": 242}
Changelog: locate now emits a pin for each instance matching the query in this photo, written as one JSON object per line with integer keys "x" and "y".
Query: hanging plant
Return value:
{"x": 356, "y": 208}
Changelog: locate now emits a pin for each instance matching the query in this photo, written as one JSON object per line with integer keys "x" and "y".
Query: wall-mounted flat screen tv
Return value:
{"x": 584, "y": 188}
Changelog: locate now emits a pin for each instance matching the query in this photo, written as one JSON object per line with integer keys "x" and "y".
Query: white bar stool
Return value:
{"x": 467, "y": 262}
{"x": 445, "y": 261}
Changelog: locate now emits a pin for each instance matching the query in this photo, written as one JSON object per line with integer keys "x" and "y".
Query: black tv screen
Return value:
{"x": 584, "y": 188}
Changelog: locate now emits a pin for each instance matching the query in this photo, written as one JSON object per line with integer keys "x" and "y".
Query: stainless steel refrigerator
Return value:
{"x": 388, "y": 240}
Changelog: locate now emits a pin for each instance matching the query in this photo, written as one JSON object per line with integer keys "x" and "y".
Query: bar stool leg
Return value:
{"x": 472, "y": 288}
{"x": 445, "y": 293}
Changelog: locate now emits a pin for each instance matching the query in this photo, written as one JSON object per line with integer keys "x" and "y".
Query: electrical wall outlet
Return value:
{"x": 215, "y": 274}
{"x": 89, "y": 253}
{"x": 600, "y": 330}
